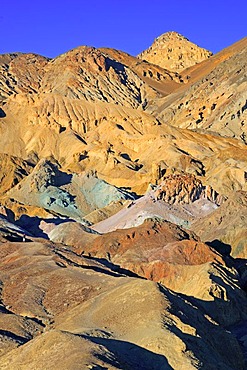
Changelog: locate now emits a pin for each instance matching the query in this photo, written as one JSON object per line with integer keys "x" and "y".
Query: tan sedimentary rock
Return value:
{"x": 185, "y": 189}
{"x": 76, "y": 312}
{"x": 174, "y": 52}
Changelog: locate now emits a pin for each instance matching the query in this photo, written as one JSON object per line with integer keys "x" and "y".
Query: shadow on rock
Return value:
{"x": 129, "y": 355}
{"x": 14, "y": 337}
{"x": 211, "y": 340}
{"x": 241, "y": 265}
{"x": 62, "y": 178}
{"x": 115, "y": 268}
{"x": 32, "y": 224}
{"x": 2, "y": 113}
{"x": 13, "y": 236}
{"x": 229, "y": 301}
{"x": 219, "y": 246}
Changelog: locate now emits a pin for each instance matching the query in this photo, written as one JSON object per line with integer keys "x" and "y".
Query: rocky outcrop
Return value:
{"x": 20, "y": 73}
{"x": 174, "y": 52}
{"x": 185, "y": 189}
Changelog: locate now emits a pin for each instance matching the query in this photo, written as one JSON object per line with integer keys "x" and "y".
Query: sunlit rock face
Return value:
{"x": 174, "y": 52}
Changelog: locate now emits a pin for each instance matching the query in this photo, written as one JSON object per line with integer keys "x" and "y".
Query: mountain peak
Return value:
{"x": 173, "y": 51}
{"x": 171, "y": 35}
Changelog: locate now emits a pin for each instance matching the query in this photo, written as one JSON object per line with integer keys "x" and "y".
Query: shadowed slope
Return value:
{"x": 227, "y": 226}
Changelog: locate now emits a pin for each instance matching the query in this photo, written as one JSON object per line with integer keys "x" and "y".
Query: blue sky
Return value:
{"x": 53, "y": 27}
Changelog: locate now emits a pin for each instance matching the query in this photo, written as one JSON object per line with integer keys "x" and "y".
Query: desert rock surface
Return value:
{"x": 174, "y": 52}
{"x": 123, "y": 203}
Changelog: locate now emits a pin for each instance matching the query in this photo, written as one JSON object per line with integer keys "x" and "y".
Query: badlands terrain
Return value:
{"x": 123, "y": 208}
